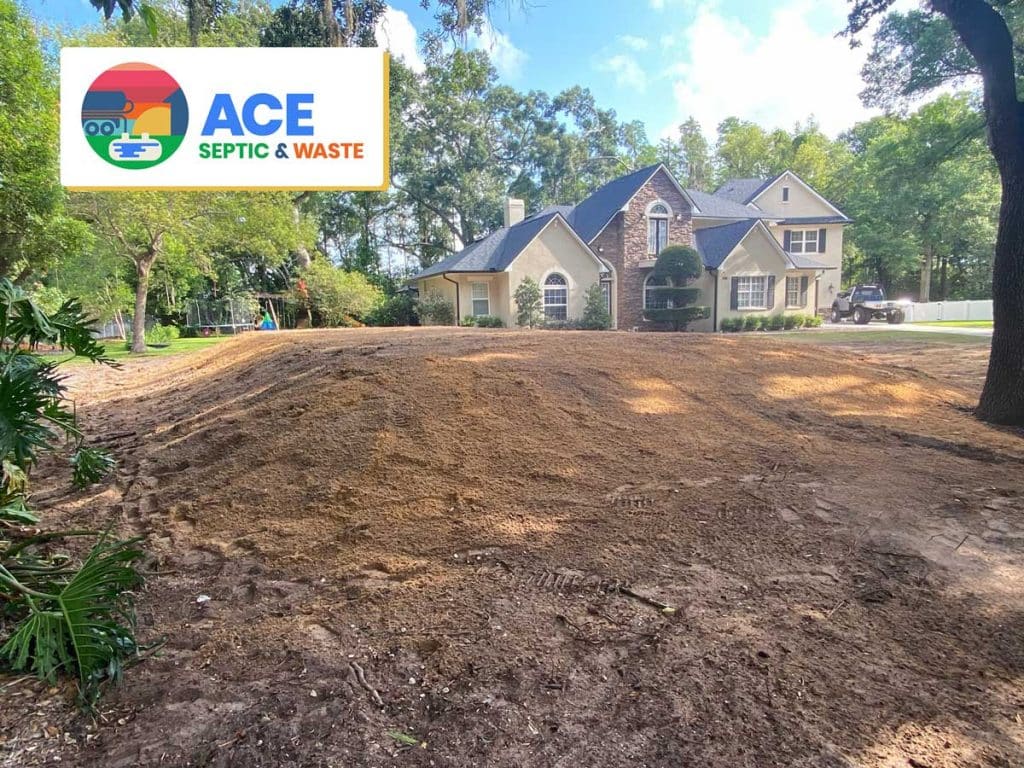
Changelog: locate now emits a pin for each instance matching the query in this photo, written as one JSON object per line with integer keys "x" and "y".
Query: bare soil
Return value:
{"x": 961, "y": 363}
{"x": 451, "y": 548}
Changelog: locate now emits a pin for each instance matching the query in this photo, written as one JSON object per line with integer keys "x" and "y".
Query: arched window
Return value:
{"x": 556, "y": 297}
{"x": 657, "y": 228}
{"x": 653, "y": 298}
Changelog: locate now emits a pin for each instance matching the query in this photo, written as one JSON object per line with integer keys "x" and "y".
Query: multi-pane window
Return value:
{"x": 653, "y": 298}
{"x": 481, "y": 299}
{"x": 751, "y": 292}
{"x": 657, "y": 228}
{"x": 793, "y": 292}
{"x": 606, "y": 291}
{"x": 803, "y": 241}
{"x": 556, "y": 297}
{"x": 785, "y": 194}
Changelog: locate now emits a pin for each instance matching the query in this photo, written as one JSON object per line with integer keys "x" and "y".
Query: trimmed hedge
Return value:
{"x": 768, "y": 323}
{"x": 482, "y": 321}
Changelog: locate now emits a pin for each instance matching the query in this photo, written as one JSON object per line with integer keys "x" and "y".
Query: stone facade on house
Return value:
{"x": 623, "y": 243}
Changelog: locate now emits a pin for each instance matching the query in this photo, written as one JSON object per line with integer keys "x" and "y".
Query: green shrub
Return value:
{"x": 158, "y": 334}
{"x": 676, "y": 267}
{"x": 793, "y": 321}
{"x": 731, "y": 324}
{"x": 776, "y": 323}
{"x": 751, "y": 322}
{"x": 469, "y": 321}
{"x": 812, "y": 321}
{"x": 337, "y": 296}
{"x": 162, "y": 334}
{"x": 399, "y": 309}
{"x": 561, "y": 325}
{"x": 435, "y": 309}
{"x": 529, "y": 311}
{"x": 595, "y": 310}
{"x": 489, "y": 321}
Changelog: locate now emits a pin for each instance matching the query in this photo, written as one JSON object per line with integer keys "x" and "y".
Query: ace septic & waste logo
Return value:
{"x": 134, "y": 115}
{"x": 224, "y": 118}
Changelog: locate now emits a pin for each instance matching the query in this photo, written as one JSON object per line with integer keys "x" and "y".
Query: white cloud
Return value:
{"x": 660, "y": 5}
{"x": 396, "y": 32}
{"x": 505, "y": 57}
{"x": 633, "y": 42}
{"x": 628, "y": 74}
{"x": 775, "y": 76}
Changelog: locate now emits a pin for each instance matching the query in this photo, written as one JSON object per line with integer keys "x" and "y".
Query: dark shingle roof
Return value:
{"x": 742, "y": 190}
{"x": 715, "y": 207}
{"x": 593, "y": 214}
{"x": 565, "y": 210}
{"x": 714, "y": 244}
{"x": 796, "y": 220}
{"x": 802, "y": 262}
{"x": 493, "y": 253}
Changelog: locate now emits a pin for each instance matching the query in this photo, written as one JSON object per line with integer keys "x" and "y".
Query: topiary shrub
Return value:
{"x": 676, "y": 266}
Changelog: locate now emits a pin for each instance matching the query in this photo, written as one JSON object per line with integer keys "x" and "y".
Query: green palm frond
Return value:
{"x": 90, "y": 465}
{"x": 32, "y": 415}
{"x": 86, "y": 627}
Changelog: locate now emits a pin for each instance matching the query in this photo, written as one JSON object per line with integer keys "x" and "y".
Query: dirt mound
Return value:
{"x": 467, "y": 541}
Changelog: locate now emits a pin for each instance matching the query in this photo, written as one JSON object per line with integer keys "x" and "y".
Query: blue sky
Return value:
{"x": 658, "y": 61}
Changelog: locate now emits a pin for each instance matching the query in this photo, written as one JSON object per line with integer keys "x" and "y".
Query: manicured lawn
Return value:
{"x": 116, "y": 349}
{"x": 876, "y": 337}
{"x": 957, "y": 323}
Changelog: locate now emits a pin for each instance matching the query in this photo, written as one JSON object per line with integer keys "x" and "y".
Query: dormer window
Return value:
{"x": 657, "y": 228}
{"x": 785, "y": 194}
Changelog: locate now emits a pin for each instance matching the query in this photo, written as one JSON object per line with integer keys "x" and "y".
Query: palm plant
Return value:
{"x": 67, "y": 617}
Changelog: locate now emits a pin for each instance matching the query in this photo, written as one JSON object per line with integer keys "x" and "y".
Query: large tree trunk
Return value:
{"x": 1002, "y": 398}
{"x": 143, "y": 264}
{"x": 194, "y": 17}
{"x": 302, "y": 257}
{"x": 984, "y": 33}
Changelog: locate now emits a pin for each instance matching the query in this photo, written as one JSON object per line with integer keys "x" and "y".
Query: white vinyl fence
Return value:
{"x": 979, "y": 309}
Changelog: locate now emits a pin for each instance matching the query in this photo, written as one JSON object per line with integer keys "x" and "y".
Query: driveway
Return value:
{"x": 908, "y": 327}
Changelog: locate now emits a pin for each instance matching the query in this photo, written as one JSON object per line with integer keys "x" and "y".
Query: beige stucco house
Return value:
{"x": 768, "y": 246}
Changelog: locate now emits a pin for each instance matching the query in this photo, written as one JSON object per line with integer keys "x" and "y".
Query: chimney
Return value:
{"x": 515, "y": 211}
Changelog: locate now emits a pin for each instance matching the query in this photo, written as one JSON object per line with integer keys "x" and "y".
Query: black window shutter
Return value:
{"x": 770, "y": 293}
{"x": 734, "y": 294}
{"x": 786, "y": 237}
{"x": 821, "y": 241}
{"x": 803, "y": 291}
